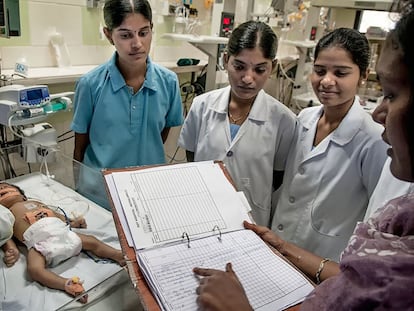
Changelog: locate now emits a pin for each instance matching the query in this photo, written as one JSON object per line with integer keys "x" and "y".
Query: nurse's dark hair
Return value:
{"x": 115, "y": 11}
{"x": 250, "y": 35}
{"x": 351, "y": 40}
{"x": 402, "y": 36}
{"x": 402, "y": 39}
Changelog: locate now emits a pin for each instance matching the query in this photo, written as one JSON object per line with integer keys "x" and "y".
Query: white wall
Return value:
{"x": 80, "y": 29}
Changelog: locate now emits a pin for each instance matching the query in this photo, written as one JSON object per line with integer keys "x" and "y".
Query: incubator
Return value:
{"x": 107, "y": 284}
{"x": 31, "y": 159}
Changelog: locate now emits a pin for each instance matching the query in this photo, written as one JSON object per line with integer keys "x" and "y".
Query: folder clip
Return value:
{"x": 185, "y": 235}
{"x": 216, "y": 227}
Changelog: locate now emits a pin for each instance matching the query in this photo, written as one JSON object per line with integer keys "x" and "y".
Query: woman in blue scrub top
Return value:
{"x": 241, "y": 125}
{"x": 125, "y": 107}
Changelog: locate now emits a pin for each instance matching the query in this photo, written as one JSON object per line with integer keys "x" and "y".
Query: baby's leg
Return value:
{"x": 90, "y": 243}
{"x": 11, "y": 253}
{"x": 36, "y": 267}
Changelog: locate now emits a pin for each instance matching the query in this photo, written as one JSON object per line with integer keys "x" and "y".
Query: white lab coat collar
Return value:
{"x": 258, "y": 112}
{"x": 347, "y": 129}
{"x": 342, "y": 135}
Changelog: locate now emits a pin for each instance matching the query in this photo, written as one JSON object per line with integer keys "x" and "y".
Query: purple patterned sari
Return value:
{"x": 377, "y": 267}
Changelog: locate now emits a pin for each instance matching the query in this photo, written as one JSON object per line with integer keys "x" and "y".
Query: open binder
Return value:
{"x": 172, "y": 218}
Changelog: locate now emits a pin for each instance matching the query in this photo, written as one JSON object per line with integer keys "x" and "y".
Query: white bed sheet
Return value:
{"x": 18, "y": 292}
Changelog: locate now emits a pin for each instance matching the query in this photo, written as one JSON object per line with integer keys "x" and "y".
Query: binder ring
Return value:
{"x": 216, "y": 227}
{"x": 185, "y": 235}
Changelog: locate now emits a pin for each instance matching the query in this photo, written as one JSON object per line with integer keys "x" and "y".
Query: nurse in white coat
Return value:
{"x": 241, "y": 125}
{"x": 388, "y": 188}
{"x": 337, "y": 156}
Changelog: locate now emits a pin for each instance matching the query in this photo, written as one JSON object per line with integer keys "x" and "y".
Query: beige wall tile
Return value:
{"x": 47, "y": 18}
{"x": 87, "y": 54}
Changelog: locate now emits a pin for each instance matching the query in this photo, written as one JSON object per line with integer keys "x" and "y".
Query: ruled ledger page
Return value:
{"x": 161, "y": 204}
{"x": 270, "y": 282}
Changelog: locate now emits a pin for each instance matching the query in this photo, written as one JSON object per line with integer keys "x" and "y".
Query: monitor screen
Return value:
{"x": 34, "y": 94}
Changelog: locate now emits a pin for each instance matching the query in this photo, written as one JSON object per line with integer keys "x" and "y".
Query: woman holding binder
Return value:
{"x": 375, "y": 271}
{"x": 241, "y": 125}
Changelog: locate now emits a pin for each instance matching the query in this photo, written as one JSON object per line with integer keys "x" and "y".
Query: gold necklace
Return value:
{"x": 242, "y": 117}
{"x": 235, "y": 120}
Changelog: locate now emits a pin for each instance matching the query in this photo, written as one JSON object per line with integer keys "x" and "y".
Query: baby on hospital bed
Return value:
{"x": 49, "y": 240}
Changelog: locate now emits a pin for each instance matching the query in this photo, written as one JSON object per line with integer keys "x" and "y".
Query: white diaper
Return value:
{"x": 51, "y": 237}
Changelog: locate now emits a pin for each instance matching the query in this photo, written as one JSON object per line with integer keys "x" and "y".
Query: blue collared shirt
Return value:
{"x": 125, "y": 128}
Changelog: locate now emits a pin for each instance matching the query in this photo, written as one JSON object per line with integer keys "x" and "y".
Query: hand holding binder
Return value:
{"x": 270, "y": 282}
{"x": 189, "y": 215}
{"x": 160, "y": 203}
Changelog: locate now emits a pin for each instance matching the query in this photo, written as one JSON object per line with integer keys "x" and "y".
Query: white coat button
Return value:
{"x": 301, "y": 170}
{"x": 229, "y": 153}
{"x": 133, "y": 107}
{"x": 292, "y": 199}
{"x": 280, "y": 227}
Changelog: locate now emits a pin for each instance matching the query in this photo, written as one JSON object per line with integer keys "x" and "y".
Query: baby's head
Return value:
{"x": 10, "y": 194}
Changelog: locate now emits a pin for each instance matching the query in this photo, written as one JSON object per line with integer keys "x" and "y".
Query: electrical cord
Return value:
{"x": 4, "y": 155}
{"x": 45, "y": 150}
{"x": 76, "y": 208}
{"x": 174, "y": 160}
{"x": 65, "y": 133}
{"x": 64, "y": 139}
{"x": 280, "y": 65}
{"x": 43, "y": 163}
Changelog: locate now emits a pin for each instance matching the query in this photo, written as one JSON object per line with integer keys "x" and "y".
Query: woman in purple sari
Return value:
{"x": 376, "y": 270}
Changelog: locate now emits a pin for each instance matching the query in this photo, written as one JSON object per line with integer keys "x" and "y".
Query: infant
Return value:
{"x": 49, "y": 240}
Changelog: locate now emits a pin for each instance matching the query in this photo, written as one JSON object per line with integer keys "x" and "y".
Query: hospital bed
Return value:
{"x": 107, "y": 284}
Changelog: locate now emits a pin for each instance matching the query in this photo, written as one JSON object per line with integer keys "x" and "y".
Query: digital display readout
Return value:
{"x": 34, "y": 94}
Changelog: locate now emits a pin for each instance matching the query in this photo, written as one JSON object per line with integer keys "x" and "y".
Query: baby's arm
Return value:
{"x": 78, "y": 222}
{"x": 11, "y": 253}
